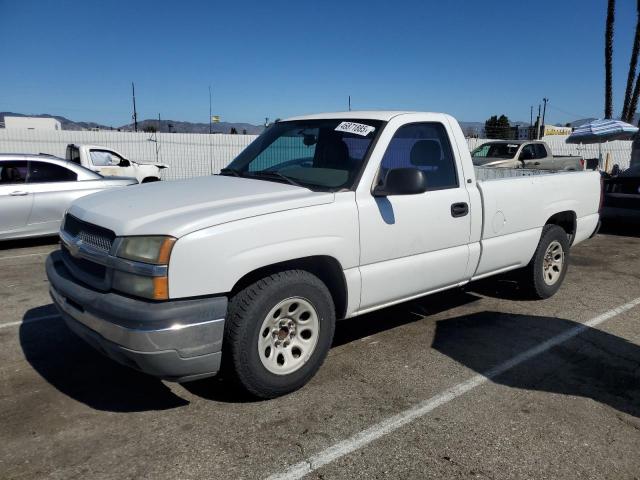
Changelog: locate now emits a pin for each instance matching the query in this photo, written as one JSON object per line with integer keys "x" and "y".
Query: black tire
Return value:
{"x": 248, "y": 309}
{"x": 532, "y": 278}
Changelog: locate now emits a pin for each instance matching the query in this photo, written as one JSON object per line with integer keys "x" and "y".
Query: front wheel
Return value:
{"x": 545, "y": 273}
{"x": 278, "y": 333}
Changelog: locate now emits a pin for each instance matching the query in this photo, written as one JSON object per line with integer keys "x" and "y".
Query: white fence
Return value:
{"x": 194, "y": 154}
{"x": 187, "y": 154}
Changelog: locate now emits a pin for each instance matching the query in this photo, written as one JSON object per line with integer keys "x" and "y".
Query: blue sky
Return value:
{"x": 279, "y": 58}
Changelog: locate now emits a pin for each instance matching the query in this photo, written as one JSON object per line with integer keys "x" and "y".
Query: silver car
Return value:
{"x": 36, "y": 190}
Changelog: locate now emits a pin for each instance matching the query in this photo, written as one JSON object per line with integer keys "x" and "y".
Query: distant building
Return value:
{"x": 32, "y": 123}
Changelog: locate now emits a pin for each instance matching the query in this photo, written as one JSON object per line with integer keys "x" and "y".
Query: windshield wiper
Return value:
{"x": 232, "y": 171}
{"x": 274, "y": 174}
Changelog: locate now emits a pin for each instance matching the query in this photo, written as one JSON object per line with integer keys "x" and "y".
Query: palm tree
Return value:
{"x": 608, "y": 54}
{"x": 627, "y": 110}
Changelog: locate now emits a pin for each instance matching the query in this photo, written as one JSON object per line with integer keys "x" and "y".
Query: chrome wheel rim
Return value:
{"x": 288, "y": 336}
{"x": 553, "y": 263}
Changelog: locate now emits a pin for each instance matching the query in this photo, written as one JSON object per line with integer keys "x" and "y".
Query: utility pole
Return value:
{"x": 538, "y": 124}
{"x": 530, "y": 123}
{"x": 544, "y": 111}
{"x": 135, "y": 114}
{"x": 210, "y": 126}
{"x": 349, "y": 102}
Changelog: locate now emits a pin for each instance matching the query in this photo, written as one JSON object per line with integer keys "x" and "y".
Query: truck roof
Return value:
{"x": 384, "y": 115}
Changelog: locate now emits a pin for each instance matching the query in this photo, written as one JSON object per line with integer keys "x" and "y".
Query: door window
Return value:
{"x": 528, "y": 152}
{"x": 425, "y": 146}
{"x": 42, "y": 172}
{"x": 541, "y": 152}
{"x": 104, "y": 158}
{"x": 13, "y": 172}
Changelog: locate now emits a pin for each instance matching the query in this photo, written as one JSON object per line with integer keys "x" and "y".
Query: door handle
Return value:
{"x": 459, "y": 209}
{"x": 19, "y": 193}
{"x": 537, "y": 163}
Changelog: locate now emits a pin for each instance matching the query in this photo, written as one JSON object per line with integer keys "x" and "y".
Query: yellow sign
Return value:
{"x": 215, "y": 118}
{"x": 553, "y": 130}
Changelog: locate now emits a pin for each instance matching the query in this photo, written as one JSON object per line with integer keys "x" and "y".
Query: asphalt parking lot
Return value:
{"x": 467, "y": 384}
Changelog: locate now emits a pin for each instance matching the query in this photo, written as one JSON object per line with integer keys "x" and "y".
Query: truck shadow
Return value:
{"x": 77, "y": 370}
{"x": 621, "y": 229}
{"x": 594, "y": 364}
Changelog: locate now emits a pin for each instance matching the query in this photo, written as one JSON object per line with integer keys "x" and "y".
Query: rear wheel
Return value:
{"x": 545, "y": 273}
{"x": 278, "y": 333}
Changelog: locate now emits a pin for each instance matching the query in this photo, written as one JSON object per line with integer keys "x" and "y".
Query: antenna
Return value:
{"x": 349, "y": 102}
{"x": 135, "y": 114}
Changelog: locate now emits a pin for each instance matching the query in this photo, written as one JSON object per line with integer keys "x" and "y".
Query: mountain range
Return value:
{"x": 173, "y": 126}
{"x": 176, "y": 126}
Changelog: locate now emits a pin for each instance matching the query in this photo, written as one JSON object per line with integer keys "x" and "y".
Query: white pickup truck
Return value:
{"x": 322, "y": 217}
{"x": 110, "y": 163}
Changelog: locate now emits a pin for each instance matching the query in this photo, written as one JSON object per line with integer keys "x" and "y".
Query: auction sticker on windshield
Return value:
{"x": 357, "y": 128}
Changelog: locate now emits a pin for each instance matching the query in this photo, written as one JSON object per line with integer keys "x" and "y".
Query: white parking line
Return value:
{"x": 29, "y": 320}
{"x": 392, "y": 424}
{"x": 25, "y": 255}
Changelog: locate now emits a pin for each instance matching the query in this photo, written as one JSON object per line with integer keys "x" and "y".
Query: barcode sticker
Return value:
{"x": 357, "y": 128}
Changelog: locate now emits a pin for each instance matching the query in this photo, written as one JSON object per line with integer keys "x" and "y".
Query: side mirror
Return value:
{"x": 402, "y": 181}
{"x": 124, "y": 163}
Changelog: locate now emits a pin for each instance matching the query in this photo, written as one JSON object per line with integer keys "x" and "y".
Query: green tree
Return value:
{"x": 497, "y": 127}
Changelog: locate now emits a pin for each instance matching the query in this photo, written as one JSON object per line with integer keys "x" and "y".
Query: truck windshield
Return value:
{"x": 316, "y": 154}
{"x": 496, "y": 150}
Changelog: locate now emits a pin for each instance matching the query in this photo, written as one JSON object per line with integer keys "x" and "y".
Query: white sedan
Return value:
{"x": 36, "y": 190}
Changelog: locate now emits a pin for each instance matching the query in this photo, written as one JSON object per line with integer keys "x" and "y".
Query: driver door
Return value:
{"x": 414, "y": 244}
{"x": 110, "y": 164}
{"x": 15, "y": 201}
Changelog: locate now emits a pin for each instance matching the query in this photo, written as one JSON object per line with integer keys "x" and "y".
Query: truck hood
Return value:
{"x": 494, "y": 162}
{"x": 180, "y": 207}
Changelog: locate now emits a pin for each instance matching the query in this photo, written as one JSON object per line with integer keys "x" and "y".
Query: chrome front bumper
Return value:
{"x": 176, "y": 340}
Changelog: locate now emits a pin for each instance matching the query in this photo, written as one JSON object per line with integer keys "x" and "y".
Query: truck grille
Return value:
{"x": 93, "y": 235}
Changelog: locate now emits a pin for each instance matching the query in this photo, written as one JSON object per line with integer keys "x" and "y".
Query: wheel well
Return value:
{"x": 565, "y": 220}
{"x": 150, "y": 179}
{"x": 326, "y": 268}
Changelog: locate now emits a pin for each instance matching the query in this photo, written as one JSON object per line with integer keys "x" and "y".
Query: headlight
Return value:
{"x": 154, "y": 288}
{"x": 155, "y": 249}
{"x": 152, "y": 249}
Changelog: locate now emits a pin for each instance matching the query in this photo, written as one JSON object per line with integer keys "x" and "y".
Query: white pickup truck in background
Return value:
{"x": 322, "y": 217}
{"x": 523, "y": 154}
{"x": 110, "y": 163}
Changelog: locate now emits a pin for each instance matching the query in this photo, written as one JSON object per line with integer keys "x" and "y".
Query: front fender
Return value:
{"x": 212, "y": 260}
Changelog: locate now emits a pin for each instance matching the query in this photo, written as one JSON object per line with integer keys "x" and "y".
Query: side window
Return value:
{"x": 541, "y": 152}
{"x": 42, "y": 172}
{"x": 12, "y": 172}
{"x": 528, "y": 152}
{"x": 104, "y": 158}
{"x": 425, "y": 146}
